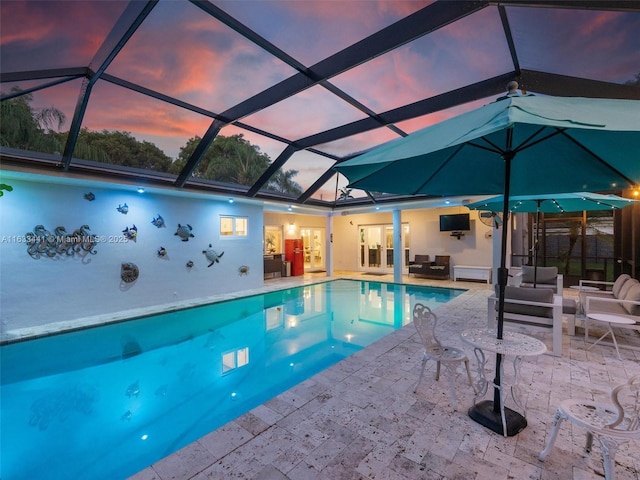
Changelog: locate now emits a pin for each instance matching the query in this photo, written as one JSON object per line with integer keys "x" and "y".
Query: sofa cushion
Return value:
{"x": 625, "y": 288}
{"x": 538, "y": 295}
{"x": 569, "y": 306}
{"x": 633, "y": 295}
{"x": 617, "y": 285}
{"x": 547, "y": 275}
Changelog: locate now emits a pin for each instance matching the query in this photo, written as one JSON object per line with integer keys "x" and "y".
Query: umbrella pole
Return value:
{"x": 536, "y": 245}
{"x": 489, "y": 413}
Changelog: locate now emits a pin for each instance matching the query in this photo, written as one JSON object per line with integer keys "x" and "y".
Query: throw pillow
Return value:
{"x": 626, "y": 287}
{"x": 617, "y": 285}
{"x": 633, "y": 295}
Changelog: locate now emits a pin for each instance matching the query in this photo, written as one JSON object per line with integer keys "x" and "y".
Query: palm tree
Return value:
{"x": 282, "y": 181}
{"x": 26, "y": 128}
{"x": 345, "y": 193}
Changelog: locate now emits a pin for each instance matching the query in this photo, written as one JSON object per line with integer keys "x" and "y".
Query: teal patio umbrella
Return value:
{"x": 552, "y": 203}
{"x": 517, "y": 145}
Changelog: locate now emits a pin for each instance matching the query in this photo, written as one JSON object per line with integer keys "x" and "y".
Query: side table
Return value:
{"x": 608, "y": 319}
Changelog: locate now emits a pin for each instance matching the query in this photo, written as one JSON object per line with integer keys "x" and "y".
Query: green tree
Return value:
{"x": 345, "y": 193}
{"x": 282, "y": 181}
{"x": 120, "y": 148}
{"x": 230, "y": 159}
{"x": 27, "y": 128}
{"x": 234, "y": 159}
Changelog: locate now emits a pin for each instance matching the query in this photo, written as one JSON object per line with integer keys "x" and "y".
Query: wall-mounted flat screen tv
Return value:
{"x": 458, "y": 222}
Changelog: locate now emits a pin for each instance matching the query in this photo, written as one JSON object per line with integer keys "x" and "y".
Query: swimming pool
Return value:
{"x": 106, "y": 402}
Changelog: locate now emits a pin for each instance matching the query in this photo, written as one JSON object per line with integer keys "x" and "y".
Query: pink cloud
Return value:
{"x": 71, "y": 39}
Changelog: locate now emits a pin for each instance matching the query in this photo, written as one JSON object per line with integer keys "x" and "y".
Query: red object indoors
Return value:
{"x": 294, "y": 253}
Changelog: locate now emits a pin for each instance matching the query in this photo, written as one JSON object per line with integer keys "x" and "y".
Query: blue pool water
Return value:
{"x": 106, "y": 402}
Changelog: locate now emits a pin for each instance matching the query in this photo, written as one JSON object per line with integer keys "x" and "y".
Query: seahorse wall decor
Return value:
{"x": 42, "y": 243}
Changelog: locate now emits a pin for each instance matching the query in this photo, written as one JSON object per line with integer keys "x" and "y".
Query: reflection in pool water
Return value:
{"x": 107, "y": 402}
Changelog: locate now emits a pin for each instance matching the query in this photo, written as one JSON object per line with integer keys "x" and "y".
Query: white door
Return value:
{"x": 313, "y": 239}
{"x": 376, "y": 248}
{"x": 373, "y": 248}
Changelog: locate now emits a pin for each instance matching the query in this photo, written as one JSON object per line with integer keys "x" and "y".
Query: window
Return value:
{"x": 235, "y": 359}
{"x": 231, "y": 226}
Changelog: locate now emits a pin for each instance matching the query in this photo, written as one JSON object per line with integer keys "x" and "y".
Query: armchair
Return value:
{"x": 546, "y": 277}
{"x": 418, "y": 264}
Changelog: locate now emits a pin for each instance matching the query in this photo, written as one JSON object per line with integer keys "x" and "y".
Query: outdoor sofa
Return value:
{"x": 625, "y": 302}
{"x": 438, "y": 269}
{"x": 530, "y": 309}
{"x": 546, "y": 277}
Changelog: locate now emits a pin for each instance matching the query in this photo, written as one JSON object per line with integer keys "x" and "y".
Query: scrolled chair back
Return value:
{"x": 425, "y": 322}
{"x": 626, "y": 397}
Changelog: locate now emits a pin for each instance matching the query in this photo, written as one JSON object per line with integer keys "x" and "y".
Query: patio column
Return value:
{"x": 398, "y": 246}
{"x": 328, "y": 255}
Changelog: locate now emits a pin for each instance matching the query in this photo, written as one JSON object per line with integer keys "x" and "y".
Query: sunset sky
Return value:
{"x": 183, "y": 52}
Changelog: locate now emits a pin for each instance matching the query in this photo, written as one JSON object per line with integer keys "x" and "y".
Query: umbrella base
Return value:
{"x": 485, "y": 415}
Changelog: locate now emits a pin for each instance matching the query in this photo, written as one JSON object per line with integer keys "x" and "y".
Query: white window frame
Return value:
{"x": 235, "y": 233}
{"x": 234, "y": 359}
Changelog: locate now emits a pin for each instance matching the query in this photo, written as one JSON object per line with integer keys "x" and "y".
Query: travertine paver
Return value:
{"x": 361, "y": 420}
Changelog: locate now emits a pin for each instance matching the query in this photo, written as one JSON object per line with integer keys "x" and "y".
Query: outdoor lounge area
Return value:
{"x": 439, "y": 268}
{"x": 157, "y": 156}
{"x": 361, "y": 419}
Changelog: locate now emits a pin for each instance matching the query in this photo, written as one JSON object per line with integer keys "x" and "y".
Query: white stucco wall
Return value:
{"x": 474, "y": 248}
{"x": 47, "y": 290}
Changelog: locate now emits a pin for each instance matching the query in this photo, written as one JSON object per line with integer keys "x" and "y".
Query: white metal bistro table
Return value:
{"x": 609, "y": 319}
{"x": 513, "y": 344}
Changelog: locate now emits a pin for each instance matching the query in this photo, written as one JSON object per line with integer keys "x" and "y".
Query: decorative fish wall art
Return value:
{"x": 89, "y": 196}
{"x": 130, "y": 233}
{"x": 158, "y": 221}
{"x": 124, "y": 209}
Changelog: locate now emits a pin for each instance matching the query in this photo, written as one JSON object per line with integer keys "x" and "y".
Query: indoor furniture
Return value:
{"x": 612, "y": 423}
{"x": 425, "y": 322}
{"x": 513, "y": 344}
{"x": 273, "y": 264}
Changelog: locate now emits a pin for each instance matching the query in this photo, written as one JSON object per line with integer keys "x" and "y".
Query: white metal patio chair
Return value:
{"x": 612, "y": 424}
{"x": 425, "y": 322}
